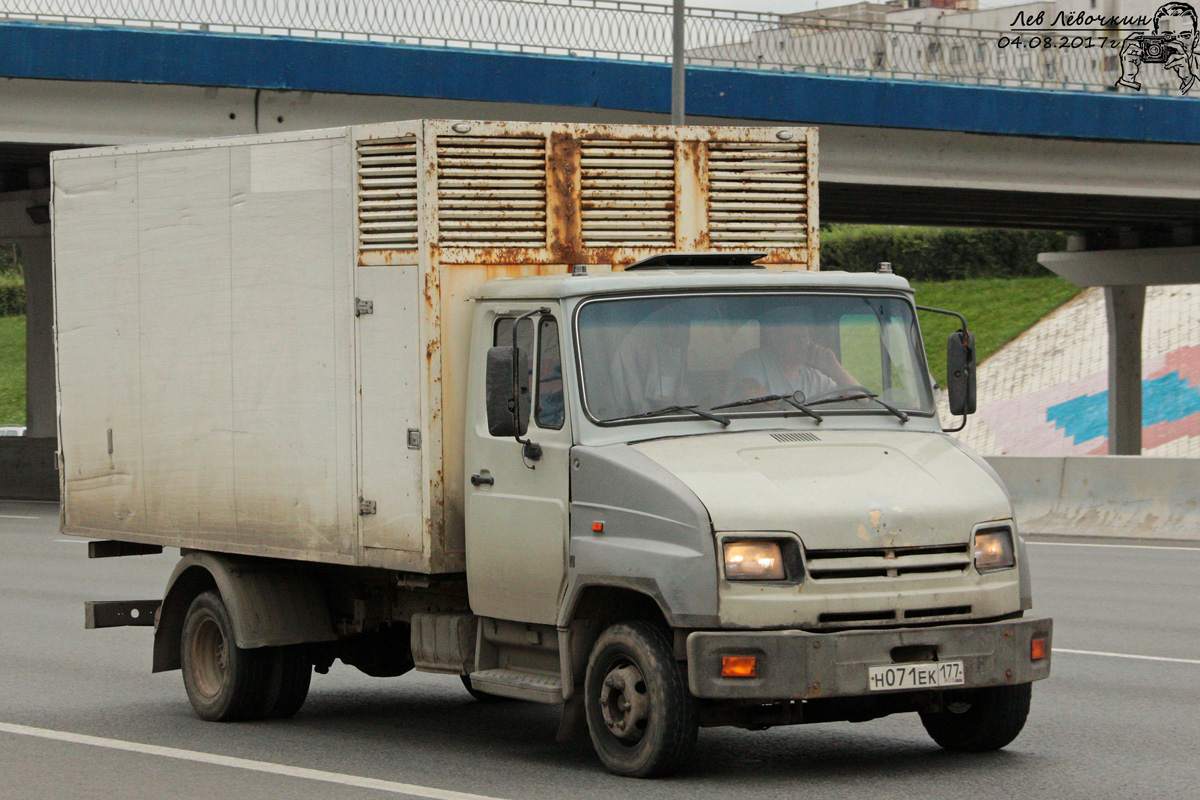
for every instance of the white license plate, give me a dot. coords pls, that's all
(915, 676)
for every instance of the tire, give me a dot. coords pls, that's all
(288, 677)
(979, 720)
(640, 715)
(481, 696)
(224, 682)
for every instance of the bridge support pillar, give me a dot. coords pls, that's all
(1125, 274)
(1125, 306)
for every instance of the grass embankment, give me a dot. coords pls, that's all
(998, 310)
(12, 370)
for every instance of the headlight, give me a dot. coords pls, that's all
(753, 561)
(994, 550)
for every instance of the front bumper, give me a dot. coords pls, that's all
(798, 665)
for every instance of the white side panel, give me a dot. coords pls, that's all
(184, 219)
(205, 305)
(97, 286)
(390, 353)
(292, 367)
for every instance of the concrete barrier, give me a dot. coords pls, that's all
(1119, 496)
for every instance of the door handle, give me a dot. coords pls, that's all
(482, 480)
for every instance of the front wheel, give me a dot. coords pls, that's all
(979, 720)
(640, 715)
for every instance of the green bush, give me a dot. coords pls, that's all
(938, 254)
(9, 262)
(12, 294)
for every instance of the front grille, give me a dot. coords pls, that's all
(890, 562)
(859, 616)
(945, 611)
(855, 617)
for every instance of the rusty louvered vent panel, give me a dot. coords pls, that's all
(627, 193)
(387, 194)
(758, 194)
(491, 191)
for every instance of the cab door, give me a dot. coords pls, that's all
(516, 508)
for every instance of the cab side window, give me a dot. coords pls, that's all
(503, 337)
(549, 411)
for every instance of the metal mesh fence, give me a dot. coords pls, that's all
(619, 29)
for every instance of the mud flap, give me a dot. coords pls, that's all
(573, 723)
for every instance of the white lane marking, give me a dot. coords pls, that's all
(15, 516)
(243, 763)
(1126, 655)
(1122, 546)
(73, 541)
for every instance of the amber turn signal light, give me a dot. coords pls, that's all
(1037, 649)
(739, 667)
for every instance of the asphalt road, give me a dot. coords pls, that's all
(1104, 725)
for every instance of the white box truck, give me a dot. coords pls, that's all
(566, 410)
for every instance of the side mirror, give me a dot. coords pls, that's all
(960, 373)
(505, 415)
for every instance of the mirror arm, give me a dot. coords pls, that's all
(961, 425)
(530, 450)
(961, 318)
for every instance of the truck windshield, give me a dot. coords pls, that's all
(644, 354)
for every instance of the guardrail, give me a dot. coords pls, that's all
(620, 29)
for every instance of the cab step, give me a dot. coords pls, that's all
(533, 686)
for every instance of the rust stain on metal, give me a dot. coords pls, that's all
(433, 294)
(564, 223)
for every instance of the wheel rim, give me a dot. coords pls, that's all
(209, 657)
(625, 701)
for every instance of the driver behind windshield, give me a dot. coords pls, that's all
(787, 360)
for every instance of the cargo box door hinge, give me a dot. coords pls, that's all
(363, 307)
(366, 507)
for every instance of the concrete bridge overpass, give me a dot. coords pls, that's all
(1119, 169)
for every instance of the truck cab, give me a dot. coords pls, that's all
(642, 458)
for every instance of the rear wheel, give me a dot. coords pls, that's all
(640, 715)
(288, 677)
(224, 682)
(979, 720)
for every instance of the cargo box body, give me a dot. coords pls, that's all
(262, 341)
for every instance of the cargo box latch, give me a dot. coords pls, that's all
(365, 507)
(363, 307)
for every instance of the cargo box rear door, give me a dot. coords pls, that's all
(391, 433)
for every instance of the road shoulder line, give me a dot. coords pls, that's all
(1127, 655)
(268, 767)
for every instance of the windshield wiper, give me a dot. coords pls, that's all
(675, 409)
(790, 399)
(859, 393)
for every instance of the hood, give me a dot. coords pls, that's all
(837, 489)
